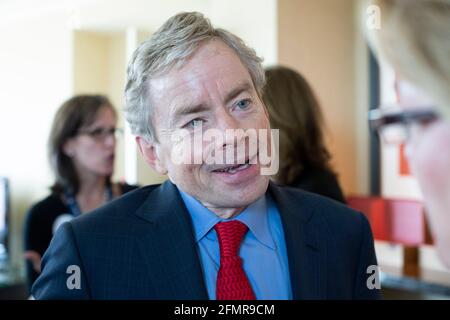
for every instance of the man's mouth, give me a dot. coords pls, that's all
(233, 168)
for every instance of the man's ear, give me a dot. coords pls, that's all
(149, 151)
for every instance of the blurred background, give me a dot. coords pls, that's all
(51, 50)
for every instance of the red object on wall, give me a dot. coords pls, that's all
(404, 165)
(374, 209)
(394, 220)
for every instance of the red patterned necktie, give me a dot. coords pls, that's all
(232, 282)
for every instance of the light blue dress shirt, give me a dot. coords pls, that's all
(263, 249)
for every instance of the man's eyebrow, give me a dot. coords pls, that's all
(245, 86)
(187, 110)
(197, 108)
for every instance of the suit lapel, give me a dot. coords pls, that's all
(170, 253)
(305, 247)
(169, 246)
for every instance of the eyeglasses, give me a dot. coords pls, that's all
(394, 125)
(100, 134)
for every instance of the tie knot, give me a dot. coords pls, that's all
(230, 234)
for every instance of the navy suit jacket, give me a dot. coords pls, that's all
(141, 246)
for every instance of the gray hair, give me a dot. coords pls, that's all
(175, 41)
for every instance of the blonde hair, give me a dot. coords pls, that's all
(170, 46)
(414, 36)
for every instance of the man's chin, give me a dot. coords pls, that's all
(238, 196)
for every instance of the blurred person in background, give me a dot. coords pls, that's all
(81, 146)
(414, 37)
(295, 111)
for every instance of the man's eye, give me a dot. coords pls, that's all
(243, 104)
(194, 123)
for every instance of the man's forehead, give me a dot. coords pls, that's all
(214, 66)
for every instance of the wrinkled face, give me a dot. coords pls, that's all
(92, 152)
(212, 90)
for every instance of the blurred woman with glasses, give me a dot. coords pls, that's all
(81, 147)
(414, 37)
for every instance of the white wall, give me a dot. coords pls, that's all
(255, 21)
(35, 77)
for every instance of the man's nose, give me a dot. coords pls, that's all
(226, 123)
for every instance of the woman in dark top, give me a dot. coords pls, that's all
(81, 150)
(295, 111)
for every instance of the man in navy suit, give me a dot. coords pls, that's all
(217, 229)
